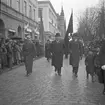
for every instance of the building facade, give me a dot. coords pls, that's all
(18, 16)
(49, 19)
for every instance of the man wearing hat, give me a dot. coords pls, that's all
(75, 52)
(28, 51)
(57, 49)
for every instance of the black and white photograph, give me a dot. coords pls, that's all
(52, 52)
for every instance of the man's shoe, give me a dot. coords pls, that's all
(28, 74)
(55, 70)
(59, 73)
(76, 75)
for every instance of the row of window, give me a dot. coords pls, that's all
(30, 10)
(40, 12)
(18, 4)
(51, 16)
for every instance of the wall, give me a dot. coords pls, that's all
(13, 18)
(45, 16)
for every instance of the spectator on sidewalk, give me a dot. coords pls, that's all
(102, 61)
(9, 53)
(89, 62)
(14, 49)
(48, 50)
(3, 53)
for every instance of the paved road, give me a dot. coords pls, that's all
(44, 87)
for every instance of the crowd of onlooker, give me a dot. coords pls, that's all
(11, 52)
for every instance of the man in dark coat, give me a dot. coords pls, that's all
(47, 50)
(75, 52)
(102, 61)
(29, 52)
(57, 50)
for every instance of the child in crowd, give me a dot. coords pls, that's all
(89, 62)
(97, 62)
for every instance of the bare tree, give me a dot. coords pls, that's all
(89, 23)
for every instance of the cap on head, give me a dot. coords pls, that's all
(57, 35)
(75, 35)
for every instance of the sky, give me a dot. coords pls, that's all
(77, 5)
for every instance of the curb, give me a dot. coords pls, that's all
(17, 66)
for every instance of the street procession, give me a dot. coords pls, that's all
(52, 52)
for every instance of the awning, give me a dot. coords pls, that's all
(36, 31)
(11, 30)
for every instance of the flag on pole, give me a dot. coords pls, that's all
(69, 30)
(70, 26)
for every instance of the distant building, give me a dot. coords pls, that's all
(50, 19)
(18, 16)
(62, 23)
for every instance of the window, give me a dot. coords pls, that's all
(10, 2)
(34, 14)
(40, 12)
(25, 8)
(30, 11)
(52, 21)
(7, 2)
(18, 5)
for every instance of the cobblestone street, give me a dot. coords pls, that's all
(44, 87)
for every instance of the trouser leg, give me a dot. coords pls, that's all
(59, 71)
(104, 78)
(75, 70)
(66, 55)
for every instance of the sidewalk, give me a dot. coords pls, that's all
(16, 66)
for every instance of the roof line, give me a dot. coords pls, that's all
(48, 3)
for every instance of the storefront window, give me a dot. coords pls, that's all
(11, 34)
(18, 5)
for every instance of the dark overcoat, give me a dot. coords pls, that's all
(29, 52)
(102, 54)
(47, 50)
(89, 62)
(57, 49)
(102, 61)
(75, 52)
